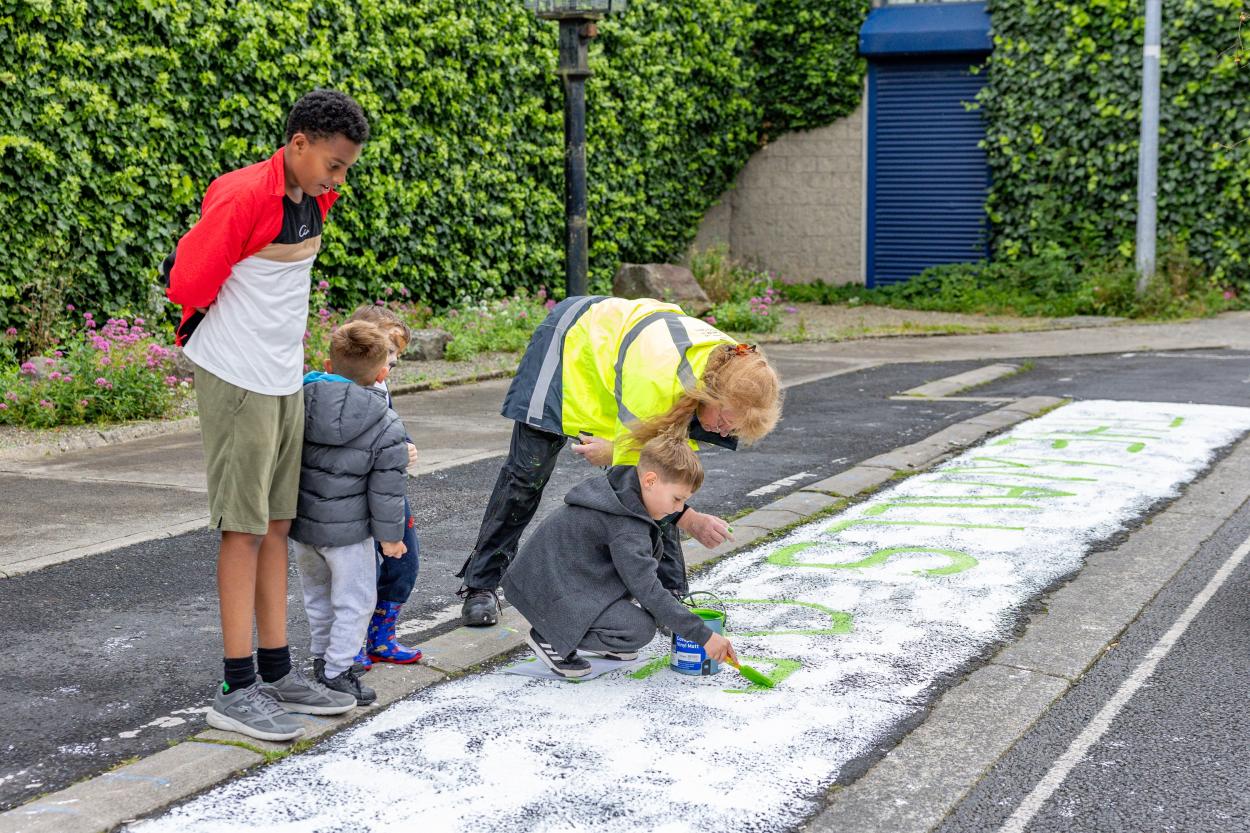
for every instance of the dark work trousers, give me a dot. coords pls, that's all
(531, 459)
(397, 576)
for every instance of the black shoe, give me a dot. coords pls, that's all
(569, 667)
(347, 682)
(481, 608)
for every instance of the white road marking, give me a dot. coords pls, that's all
(784, 482)
(1102, 721)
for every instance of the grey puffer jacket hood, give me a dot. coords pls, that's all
(353, 472)
(598, 548)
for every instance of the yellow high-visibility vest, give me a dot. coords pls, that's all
(618, 362)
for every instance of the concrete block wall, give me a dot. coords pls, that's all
(797, 206)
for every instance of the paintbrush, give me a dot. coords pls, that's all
(751, 674)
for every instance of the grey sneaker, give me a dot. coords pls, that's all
(347, 683)
(250, 711)
(296, 693)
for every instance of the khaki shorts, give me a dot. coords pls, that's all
(252, 448)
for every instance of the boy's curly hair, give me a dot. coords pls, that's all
(321, 114)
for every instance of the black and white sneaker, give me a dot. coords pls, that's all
(619, 656)
(569, 667)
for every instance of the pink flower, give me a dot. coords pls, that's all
(1228, 295)
(68, 377)
(49, 362)
(171, 380)
(12, 331)
(380, 302)
(101, 382)
(54, 375)
(43, 403)
(551, 304)
(323, 285)
(28, 368)
(82, 402)
(11, 396)
(453, 314)
(70, 307)
(3, 407)
(522, 314)
(711, 319)
(388, 292)
(792, 310)
(87, 315)
(188, 379)
(138, 322)
(403, 290)
(90, 324)
(58, 354)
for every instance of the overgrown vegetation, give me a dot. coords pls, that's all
(1044, 285)
(120, 113)
(1062, 106)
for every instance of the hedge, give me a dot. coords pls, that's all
(1062, 104)
(117, 115)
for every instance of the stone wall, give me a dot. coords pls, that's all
(797, 206)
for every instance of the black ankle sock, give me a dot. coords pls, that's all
(273, 663)
(240, 672)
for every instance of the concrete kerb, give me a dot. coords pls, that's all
(102, 803)
(919, 782)
(951, 385)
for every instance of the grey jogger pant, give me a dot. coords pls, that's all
(623, 626)
(340, 592)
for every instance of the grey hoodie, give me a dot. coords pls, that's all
(598, 548)
(353, 475)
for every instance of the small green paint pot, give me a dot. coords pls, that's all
(688, 657)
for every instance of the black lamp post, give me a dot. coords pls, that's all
(577, 26)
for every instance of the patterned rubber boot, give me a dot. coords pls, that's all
(361, 662)
(383, 646)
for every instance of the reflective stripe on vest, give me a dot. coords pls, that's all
(551, 360)
(681, 342)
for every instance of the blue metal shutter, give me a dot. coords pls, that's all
(927, 177)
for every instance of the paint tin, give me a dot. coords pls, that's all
(688, 657)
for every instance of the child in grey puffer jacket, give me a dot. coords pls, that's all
(351, 492)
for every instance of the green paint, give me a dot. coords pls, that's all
(921, 502)
(781, 668)
(840, 622)
(650, 668)
(1027, 492)
(844, 525)
(1133, 448)
(1177, 423)
(997, 470)
(960, 561)
(1032, 461)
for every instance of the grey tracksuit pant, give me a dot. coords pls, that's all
(623, 626)
(340, 592)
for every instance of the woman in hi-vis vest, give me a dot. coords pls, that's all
(613, 373)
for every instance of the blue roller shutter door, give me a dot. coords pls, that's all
(927, 176)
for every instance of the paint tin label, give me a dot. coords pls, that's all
(687, 656)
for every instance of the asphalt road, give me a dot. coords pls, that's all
(1174, 759)
(116, 654)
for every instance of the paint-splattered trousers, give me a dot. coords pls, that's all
(532, 456)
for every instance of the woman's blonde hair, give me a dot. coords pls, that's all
(737, 377)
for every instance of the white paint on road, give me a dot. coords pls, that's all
(783, 483)
(858, 618)
(1102, 721)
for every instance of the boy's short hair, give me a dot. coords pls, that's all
(358, 350)
(387, 321)
(321, 114)
(673, 460)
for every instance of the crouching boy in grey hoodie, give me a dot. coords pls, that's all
(577, 577)
(351, 492)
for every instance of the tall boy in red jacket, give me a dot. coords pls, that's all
(242, 275)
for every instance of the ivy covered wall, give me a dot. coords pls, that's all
(117, 115)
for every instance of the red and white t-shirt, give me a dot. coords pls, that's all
(249, 261)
